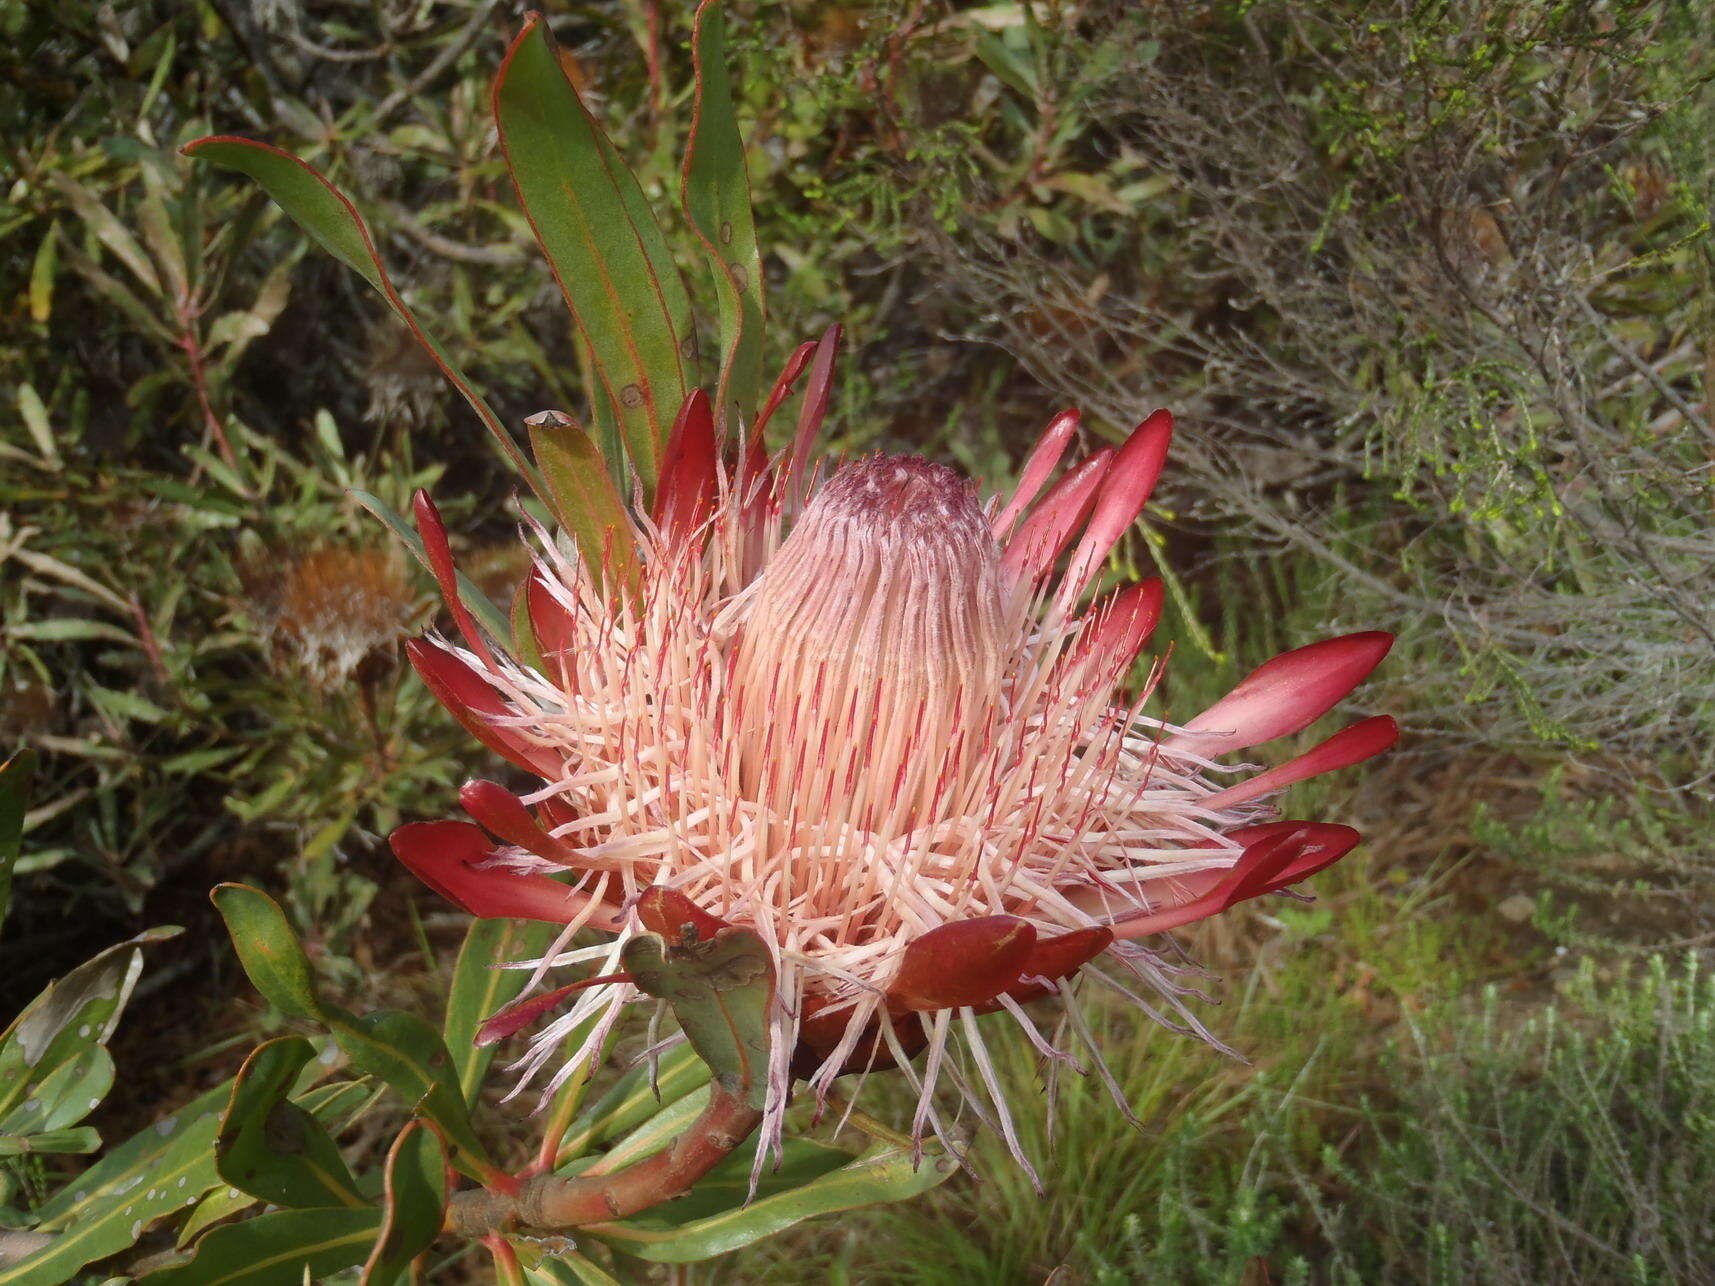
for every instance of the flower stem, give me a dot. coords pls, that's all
(546, 1202)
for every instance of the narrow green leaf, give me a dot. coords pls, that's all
(879, 1176)
(524, 645)
(410, 1056)
(79, 1140)
(473, 598)
(654, 1133)
(269, 950)
(720, 991)
(278, 1249)
(479, 989)
(271, 1147)
(121, 1172)
(16, 775)
(716, 194)
(601, 240)
(415, 1203)
(568, 1268)
(108, 230)
(334, 1105)
(156, 1173)
(583, 496)
(726, 1188)
(59, 1097)
(83, 1005)
(632, 1099)
(329, 217)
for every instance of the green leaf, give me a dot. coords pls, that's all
(81, 1007)
(404, 1051)
(278, 1249)
(67, 1093)
(398, 1048)
(271, 1147)
(479, 989)
(121, 1172)
(654, 1133)
(727, 1187)
(416, 1201)
(156, 1173)
(568, 1268)
(16, 775)
(601, 241)
(582, 495)
(334, 1105)
(269, 950)
(882, 1175)
(632, 1099)
(720, 991)
(79, 1140)
(716, 195)
(473, 598)
(329, 217)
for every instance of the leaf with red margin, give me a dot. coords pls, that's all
(414, 1201)
(601, 240)
(818, 391)
(584, 501)
(715, 191)
(332, 221)
(967, 962)
(720, 991)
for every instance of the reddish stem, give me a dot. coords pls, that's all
(549, 1201)
(199, 381)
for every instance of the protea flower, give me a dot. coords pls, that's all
(862, 708)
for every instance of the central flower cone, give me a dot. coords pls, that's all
(865, 684)
(878, 728)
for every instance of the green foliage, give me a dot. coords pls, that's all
(1569, 1147)
(1338, 239)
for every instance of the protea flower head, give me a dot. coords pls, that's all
(863, 709)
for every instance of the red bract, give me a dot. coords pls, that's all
(859, 710)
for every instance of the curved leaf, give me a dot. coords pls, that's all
(479, 989)
(278, 1249)
(601, 241)
(70, 1091)
(416, 1201)
(720, 991)
(16, 775)
(715, 190)
(329, 217)
(269, 950)
(83, 1005)
(879, 1176)
(583, 497)
(271, 1147)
